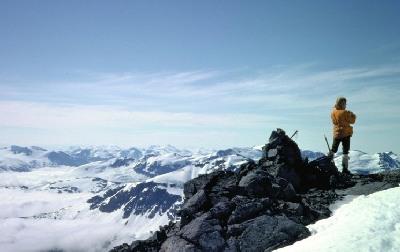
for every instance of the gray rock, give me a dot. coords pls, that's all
(199, 226)
(231, 245)
(272, 153)
(223, 187)
(212, 242)
(196, 203)
(235, 229)
(267, 233)
(257, 183)
(177, 244)
(193, 186)
(240, 199)
(291, 174)
(222, 210)
(282, 158)
(295, 208)
(288, 193)
(245, 212)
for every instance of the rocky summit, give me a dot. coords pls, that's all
(261, 207)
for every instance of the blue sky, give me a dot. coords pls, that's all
(197, 73)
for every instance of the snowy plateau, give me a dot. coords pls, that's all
(92, 199)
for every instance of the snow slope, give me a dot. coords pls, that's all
(367, 223)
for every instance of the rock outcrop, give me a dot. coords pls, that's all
(262, 207)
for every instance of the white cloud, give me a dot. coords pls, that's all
(39, 115)
(86, 233)
(178, 89)
(201, 101)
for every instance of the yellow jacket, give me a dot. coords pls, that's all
(341, 120)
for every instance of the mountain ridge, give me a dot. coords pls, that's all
(25, 158)
(261, 207)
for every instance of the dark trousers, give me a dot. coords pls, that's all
(345, 144)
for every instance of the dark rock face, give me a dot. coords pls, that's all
(152, 169)
(100, 184)
(385, 160)
(132, 153)
(62, 158)
(18, 150)
(85, 156)
(68, 189)
(146, 198)
(77, 158)
(262, 207)
(38, 148)
(122, 162)
(222, 153)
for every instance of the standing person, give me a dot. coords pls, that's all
(342, 130)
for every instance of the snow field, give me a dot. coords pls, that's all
(366, 223)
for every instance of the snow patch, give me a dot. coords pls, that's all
(366, 223)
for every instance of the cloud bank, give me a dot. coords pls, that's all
(99, 107)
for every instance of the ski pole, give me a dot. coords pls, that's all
(327, 143)
(294, 134)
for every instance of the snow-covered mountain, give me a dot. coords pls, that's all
(17, 158)
(147, 199)
(110, 194)
(364, 163)
(151, 161)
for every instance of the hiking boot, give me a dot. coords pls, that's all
(347, 172)
(345, 164)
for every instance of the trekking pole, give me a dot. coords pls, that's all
(327, 143)
(294, 134)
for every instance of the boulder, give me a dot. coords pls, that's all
(204, 231)
(177, 244)
(267, 233)
(282, 158)
(197, 203)
(245, 211)
(257, 183)
(222, 210)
